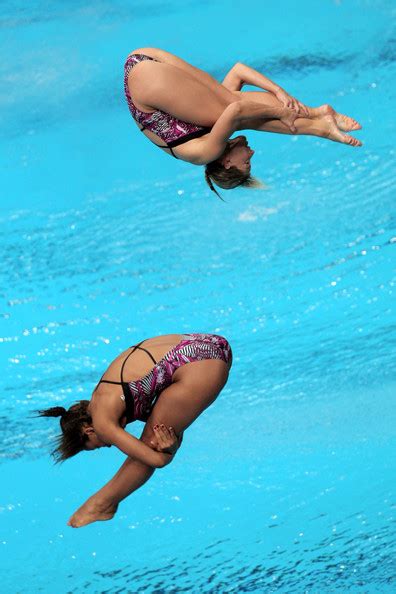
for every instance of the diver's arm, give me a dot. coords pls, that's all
(237, 116)
(133, 447)
(240, 75)
(105, 422)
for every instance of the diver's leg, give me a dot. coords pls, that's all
(322, 122)
(197, 386)
(323, 127)
(343, 122)
(154, 85)
(168, 58)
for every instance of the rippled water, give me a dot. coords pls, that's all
(287, 483)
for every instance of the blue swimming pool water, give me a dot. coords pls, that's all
(287, 483)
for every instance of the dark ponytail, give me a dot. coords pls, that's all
(55, 411)
(72, 421)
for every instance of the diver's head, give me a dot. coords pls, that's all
(77, 431)
(232, 168)
(238, 154)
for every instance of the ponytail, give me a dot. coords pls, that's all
(211, 186)
(72, 422)
(55, 411)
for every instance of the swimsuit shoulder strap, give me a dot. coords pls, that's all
(165, 146)
(126, 359)
(148, 353)
(128, 399)
(134, 348)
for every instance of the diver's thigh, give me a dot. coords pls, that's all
(183, 401)
(201, 75)
(170, 89)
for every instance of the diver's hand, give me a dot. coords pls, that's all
(288, 117)
(292, 103)
(166, 439)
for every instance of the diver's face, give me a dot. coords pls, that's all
(238, 154)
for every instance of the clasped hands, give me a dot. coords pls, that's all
(293, 109)
(165, 439)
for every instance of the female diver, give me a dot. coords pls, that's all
(186, 112)
(151, 383)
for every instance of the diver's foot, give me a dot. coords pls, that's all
(333, 133)
(344, 123)
(92, 511)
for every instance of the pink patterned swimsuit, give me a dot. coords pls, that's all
(141, 395)
(171, 130)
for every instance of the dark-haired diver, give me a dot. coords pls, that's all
(166, 381)
(189, 114)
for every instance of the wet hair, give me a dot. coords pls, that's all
(72, 439)
(228, 179)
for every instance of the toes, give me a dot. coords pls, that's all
(353, 141)
(355, 125)
(347, 124)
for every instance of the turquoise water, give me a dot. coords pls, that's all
(287, 483)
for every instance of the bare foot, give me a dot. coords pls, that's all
(344, 123)
(91, 511)
(333, 133)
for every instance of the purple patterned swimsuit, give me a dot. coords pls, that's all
(171, 130)
(141, 395)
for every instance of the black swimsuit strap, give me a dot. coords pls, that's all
(132, 351)
(126, 359)
(129, 401)
(148, 353)
(166, 146)
(134, 348)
